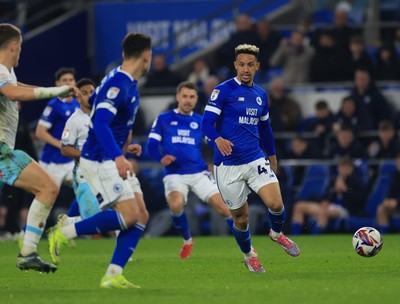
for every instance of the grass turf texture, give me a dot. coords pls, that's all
(327, 271)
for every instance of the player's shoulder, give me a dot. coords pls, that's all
(55, 102)
(224, 89)
(167, 115)
(197, 116)
(259, 89)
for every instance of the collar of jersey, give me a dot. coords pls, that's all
(177, 112)
(239, 83)
(127, 74)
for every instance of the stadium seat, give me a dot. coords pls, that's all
(315, 182)
(378, 193)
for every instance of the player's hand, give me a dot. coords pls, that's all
(134, 149)
(224, 146)
(167, 160)
(69, 91)
(123, 166)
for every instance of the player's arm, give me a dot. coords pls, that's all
(132, 148)
(70, 151)
(267, 141)
(26, 93)
(153, 145)
(210, 117)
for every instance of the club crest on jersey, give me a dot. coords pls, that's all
(194, 125)
(214, 94)
(112, 92)
(65, 134)
(118, 188)
(47, 111)
(259, 100)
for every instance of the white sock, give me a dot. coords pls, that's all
(275, 234)
(249, 255)
(71, 220)
(189, 241)
(35, 224)
(113, 270)
(69, 231)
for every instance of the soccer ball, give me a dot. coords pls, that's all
(367, 242)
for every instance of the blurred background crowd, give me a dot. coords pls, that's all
(331, 69)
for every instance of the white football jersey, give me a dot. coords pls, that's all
(75, 132)
(8, 110)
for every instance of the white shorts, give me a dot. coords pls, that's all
(234, 181)
(60, 172)
(106, 184)
(342, 212)
(202, 184)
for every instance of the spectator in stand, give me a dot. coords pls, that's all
(287, 109)
(321, 124)
(300, 149)
(387, 64)
(347, 145)
(359, 58)
(329, 64)
(387, 146)
(391, 204)
(305, 25)
(245, 34)
(200, 72)
(161, 76)
(358, 119)
(294, 56)
(368, 96)
(397, 121)
(346, 197)
(267, 41)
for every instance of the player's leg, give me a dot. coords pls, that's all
(234, 192)
(36, 180)
(300, 210)
(205, 187)
(176, 192)
(384, 212)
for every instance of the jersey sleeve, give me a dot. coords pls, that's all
(265, 110)
(215, 103)
(49, 115)
(70, 133)
(156, 131)
(5, 76)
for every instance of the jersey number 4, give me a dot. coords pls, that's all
(262, 169)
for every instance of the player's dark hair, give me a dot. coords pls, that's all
(8, 32)
(85, 81)
(62, 71)
(134, 44)
(247, 49)
(186, 84)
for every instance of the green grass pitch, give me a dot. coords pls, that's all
(327, 271)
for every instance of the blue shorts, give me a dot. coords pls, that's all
(12, 163)
(87, 202)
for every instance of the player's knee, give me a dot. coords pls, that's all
(275, 206)
(144, 216)
(51, 190)
(241, 221)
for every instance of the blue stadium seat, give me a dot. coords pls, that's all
(315, 182)
(378, 193)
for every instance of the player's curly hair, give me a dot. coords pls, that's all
(247, 49)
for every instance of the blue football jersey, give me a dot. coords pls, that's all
(180, 135)
(240, 109)
(54, 117)
(119, 95)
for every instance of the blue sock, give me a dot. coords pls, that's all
(108, 220)
(127, 241)
(383, 228)
(229, 221)
(316, 229)
(181, 225)
(73, 209)
(296, 228)
(277, 219)
(242, 238)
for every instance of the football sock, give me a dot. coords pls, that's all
(181, 225)
(73, 209)
(242, 238)
(35, 224)
(101, 222)
(296, 228)
(277, 220)
(229, 221)
(383, 228)
(127, 241)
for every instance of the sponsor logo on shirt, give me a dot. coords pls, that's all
(112, 92)
(241, 99)
(174, 123)
(214, 94)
